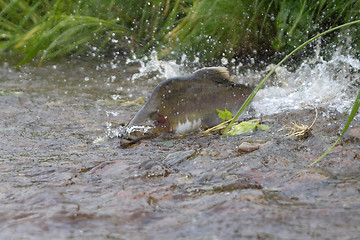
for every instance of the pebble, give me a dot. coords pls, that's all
(248, 147)
(355, 132)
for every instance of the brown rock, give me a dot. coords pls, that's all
(248, 147)
(355, 132)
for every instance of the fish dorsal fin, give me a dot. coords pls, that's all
(216, 74)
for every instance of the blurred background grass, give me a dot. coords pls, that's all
(207, 29)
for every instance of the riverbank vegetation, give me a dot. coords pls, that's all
(209, 30)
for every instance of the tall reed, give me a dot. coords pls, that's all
(207, 29)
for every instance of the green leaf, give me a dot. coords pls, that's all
(247, 126)
(262, 127)
(225, 115)
(241, 128)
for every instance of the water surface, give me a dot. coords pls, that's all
(63, 175)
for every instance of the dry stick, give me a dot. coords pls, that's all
(316, 116)
(116, 123)
(299, 129)
(217, 126)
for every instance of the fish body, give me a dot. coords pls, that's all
(189, 103)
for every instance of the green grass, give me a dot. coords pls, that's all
(207, 29)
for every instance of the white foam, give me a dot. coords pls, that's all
(327, 84)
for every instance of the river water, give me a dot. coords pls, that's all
(64, 176)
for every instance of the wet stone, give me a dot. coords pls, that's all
(248, 147)
(153, 168)
(176, 158)
(227, 186)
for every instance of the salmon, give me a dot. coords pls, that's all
(188, 103)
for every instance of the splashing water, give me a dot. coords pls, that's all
(331, 84)
(328, 84)
(152, 68)
(123, 131)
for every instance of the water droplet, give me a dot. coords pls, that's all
(224, 61)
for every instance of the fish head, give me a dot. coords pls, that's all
(149, 119)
